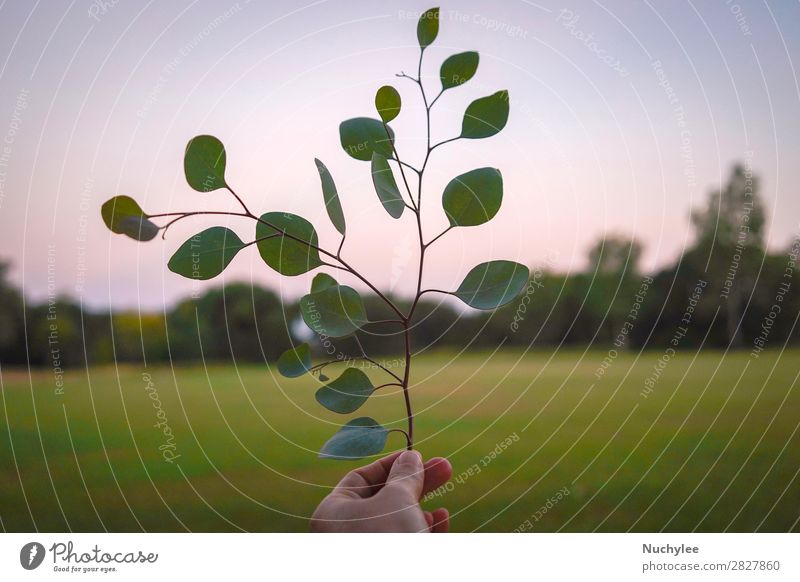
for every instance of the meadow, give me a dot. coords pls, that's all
(538, 443)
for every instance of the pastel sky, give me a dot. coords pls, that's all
(623, 116)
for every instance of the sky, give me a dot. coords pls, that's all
(624, 116)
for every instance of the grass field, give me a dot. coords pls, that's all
(714, 447)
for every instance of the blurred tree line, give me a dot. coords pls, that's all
(244, 323)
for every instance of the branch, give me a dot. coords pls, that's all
(435, 291)
(409, 166)
(409, 442)
(235, 195)
(368, 359)
(402, 172)
(400, 321)
(401, 74)
(445, 141)
(281, 232)
(435, 99)
(438, 236)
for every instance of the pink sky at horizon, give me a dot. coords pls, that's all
(98, 104)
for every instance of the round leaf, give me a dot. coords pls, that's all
(458, 69)
(335, 311)
(387, 102)
(331, 196)
(492, 284)
(386, 186)
(206, 254)
(123, 215)
(204, 163)
(322, 281)
(347, 393)
(473, 198)
(357, 439)
(295, 362)
(428, 27)
(362, 136)
(485, 116)
(289, 256)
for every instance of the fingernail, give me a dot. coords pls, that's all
(410, 458)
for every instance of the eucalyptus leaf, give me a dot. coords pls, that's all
(363, 136)
(322, 281)
(386, 186)
(335, 311)
(204, 163)
(357, 439)
(123, 215)
(485, 116)
(492, 284)
(473, 198)
(387, 102)
(331, 196)
(458, 69)
(347, 393)
(289, 256)
(206, 254)
(428, 27)
(295, 362)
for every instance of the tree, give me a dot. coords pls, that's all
(612, 275)
(12, 336)
(729, 244)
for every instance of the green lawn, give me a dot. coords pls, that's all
(714, 447)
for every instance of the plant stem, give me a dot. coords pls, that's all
(406, 395)
(402, 172)
(415, 207)
(400, 430)
(422, 248)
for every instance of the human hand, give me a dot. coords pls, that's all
(384, 497)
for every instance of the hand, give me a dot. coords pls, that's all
(384, 497)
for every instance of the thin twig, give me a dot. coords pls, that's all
(407, 165)
(409, 443)
(435, 291)
(402, 172)
(374, 321)
(438, 236)
(445, 141)
(368, 359)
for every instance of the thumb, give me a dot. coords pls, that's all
(407, 475)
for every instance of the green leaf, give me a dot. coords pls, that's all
(347, 393)
(285, 254)
(206, 254)
(331, 196)
(335, 311)
(387, 102)
(458, 69)
(428, 27)
(295, 362)
(485, 116)
(492, 284)
(322, 281)
(386, 186)
(361, 137)
(123, 215)
(357, 439)
(204, 163)
(473, 198)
